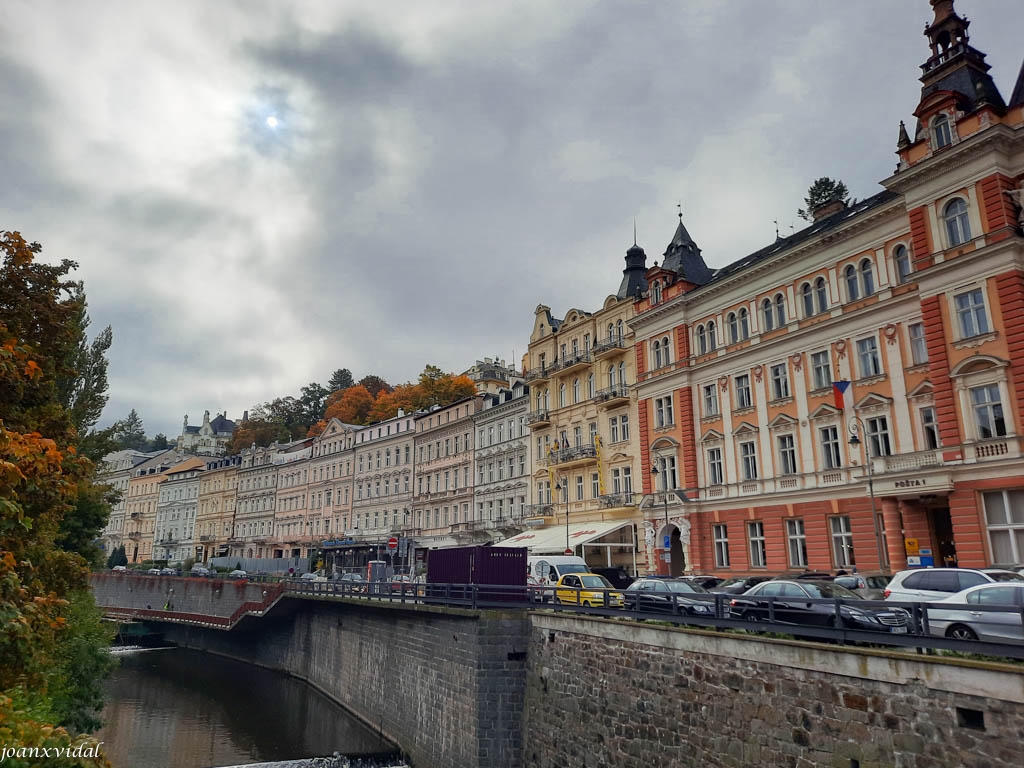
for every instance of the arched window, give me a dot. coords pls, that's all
(591, 390)
(702, 340)
(666, 356)
(656, 349)
(769, 314)
(901, 257)
(712, 336)
(734, 328)
(575, 390)
(611, 376)
(656, 293)
(821, 294)
(941, 132)
(958, 227)
(852, 286)
(808, 297)
(619, 330)
(867, 276)
(622, 374)
(744, 324)
(611, 331)
(780, 310)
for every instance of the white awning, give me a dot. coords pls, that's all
(549, 541)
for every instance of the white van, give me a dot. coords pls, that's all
(546, 570)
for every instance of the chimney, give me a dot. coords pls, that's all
(827, 209)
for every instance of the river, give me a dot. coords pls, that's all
(175, 708)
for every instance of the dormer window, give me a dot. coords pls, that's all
(656, 293)
(942, 136)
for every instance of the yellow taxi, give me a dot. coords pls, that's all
(587, 589)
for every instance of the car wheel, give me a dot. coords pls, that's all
(750, 616)
(586, 603)
(961, 632)
(556, 601)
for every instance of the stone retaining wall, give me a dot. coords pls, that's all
(608, 693)
(444, 684)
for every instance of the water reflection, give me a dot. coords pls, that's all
(184, 709)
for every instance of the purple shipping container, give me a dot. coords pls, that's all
(500, 566)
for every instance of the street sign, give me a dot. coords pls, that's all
(392, 543)
(667, 542)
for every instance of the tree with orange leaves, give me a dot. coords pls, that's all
(44, 601)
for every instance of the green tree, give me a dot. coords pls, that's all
(313, 397)
(43, 479)
(340, 379)
(159, 442)
(117, 557)
(374, 385)
(822, 192)
(130, 433)
(83, 386)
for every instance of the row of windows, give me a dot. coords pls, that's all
(571, 351)
(621, 479)
(431, 451)
(840, 535)
(504, 430)
(571, 394)
(618, 431)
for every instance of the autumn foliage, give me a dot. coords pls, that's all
(41, 476)
(356, 405)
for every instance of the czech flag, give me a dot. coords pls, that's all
(839, 390)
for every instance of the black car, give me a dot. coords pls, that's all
(811, 603)
(738, 584)
(617, 576)
(708, 582)
(669, 596)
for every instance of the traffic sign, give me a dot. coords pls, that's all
(667, 542)
(392, 543)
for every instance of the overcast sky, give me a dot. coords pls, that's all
(259, 193)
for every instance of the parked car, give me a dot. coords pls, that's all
(312, 577)
(1015, 567)
(200, 570)
(957, 616)
(810, 603)
(170, 572)
(738, 584)
(870, 586)
(353, 582)
(589, 589)
(707, 582)
(119, 569)
(669, 596)
(237, 574)
(617, 575)
(153, 571)
(931, 584)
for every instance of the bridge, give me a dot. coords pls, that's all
(497, 685)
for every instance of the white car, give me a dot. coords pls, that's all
(963, 619)
(926, 585)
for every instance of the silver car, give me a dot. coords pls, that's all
(963, 620)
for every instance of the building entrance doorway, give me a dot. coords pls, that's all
(941, 525)
(677, 563)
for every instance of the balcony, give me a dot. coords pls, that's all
(570, 457)
(992, 450)
(167, 542)
(575, 362)
(206, 538)
(606, 398)
(543, 373)
(135, 535)
(135, 515)
(609, 346)
(538, 418)
(235, 542)
(539, 510)
(619, 500)
(908, 461)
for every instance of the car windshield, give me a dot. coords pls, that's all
(828, 591)
(877, 582)
(684, 586)
(1004, 576)
(733, 581)
(573, 569)
(596, 582)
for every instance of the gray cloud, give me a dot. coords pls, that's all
(436, 171)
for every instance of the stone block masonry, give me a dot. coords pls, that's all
(610, 693)
(447, 685)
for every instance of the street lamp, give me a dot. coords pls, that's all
(563, 485)
(856, 427)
